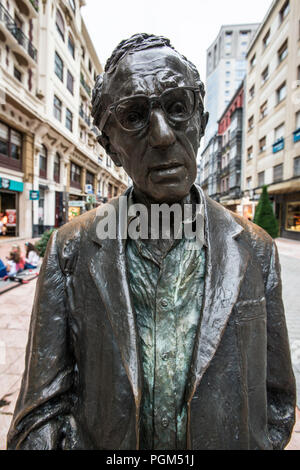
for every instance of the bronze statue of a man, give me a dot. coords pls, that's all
(156, 342)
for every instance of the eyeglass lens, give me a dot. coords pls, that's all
(178, 105)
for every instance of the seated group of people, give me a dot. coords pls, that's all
(16, 263)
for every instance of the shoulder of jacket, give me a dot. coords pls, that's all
(69, 238)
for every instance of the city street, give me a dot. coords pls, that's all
(15, 312)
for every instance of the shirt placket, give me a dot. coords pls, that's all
(164, 395)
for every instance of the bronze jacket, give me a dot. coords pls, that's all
(81, 387)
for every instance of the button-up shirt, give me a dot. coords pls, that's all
(167, 292)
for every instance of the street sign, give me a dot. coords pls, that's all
(34, 195)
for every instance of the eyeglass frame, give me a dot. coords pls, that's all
(155, 99)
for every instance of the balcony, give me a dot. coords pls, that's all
(85, 85)
(278, 145)
(24, 44)
(296, 135)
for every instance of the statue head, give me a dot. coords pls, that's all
(148, 105)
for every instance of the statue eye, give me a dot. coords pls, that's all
(177, 109)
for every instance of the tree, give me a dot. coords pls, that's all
(41, 245)
(264, 214)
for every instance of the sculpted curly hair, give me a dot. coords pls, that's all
(137, 42)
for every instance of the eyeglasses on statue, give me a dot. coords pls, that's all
(133, 113)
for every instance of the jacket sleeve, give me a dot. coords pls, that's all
(281, 389)
(42, 408)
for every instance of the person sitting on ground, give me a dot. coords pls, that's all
(32, 258)
(21, 261)
(13, 267)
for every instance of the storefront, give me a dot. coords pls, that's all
(287, 207)
(76, 206)
(9, 206)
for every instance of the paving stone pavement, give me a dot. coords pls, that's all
(15, 310)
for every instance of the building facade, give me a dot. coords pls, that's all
(231, 146)
(52, 167)
(225, 70)
(272, 137)
(220, 165)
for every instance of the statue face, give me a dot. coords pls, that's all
(161, 157)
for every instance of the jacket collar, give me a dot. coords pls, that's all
(225, 267)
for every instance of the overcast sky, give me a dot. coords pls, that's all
(191, 25)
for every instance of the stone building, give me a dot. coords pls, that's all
(272, 147)
(48, 65)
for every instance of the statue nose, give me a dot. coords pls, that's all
(160, 133)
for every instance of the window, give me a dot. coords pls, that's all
(10, 147)
(252, 92)
(262, 144)
(43, 162)
(264, 110)
(59, 67)
(253, 61)
(227, 83)
(69, 120)
(227, 74)
(282, 52)
(265, 75)
(250, 153)
(108, 161)
(249, 182)
(82, 52)
(297, 166)
(278, 173)
(266, 40)
(279, 132)
(60, 24)
(261, 178)
(57, 108)
(56, 168)
(71, 46)
(70, 82)
(75, 176)
(90, 66)
(250, 123)
(281, 93)
(17, 74)
(89, 178)
(284, 11)
(298, 120)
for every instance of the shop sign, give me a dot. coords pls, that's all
(91, 199)
(76, 203)
(89, 189)
(11, 215)
(12, 185)
(34, 196)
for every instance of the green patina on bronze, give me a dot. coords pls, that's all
(167, 292)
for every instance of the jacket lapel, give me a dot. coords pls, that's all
(226, 264)
(108, 269)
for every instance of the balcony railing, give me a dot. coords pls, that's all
(278, 145)
(296, 135)
(17, 33)
(85, 117)
(85, 85)
(35, 4)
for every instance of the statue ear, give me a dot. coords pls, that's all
(204, 121)
(103, 140)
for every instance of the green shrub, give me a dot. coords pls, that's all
(41, 245)
(264, 214)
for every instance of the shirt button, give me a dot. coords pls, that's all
(165, 422)
(164, 303)
(164, 356)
